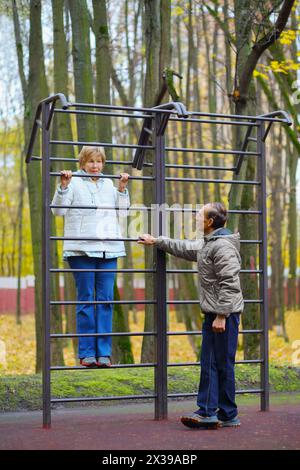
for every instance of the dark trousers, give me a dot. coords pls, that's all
(216, 395)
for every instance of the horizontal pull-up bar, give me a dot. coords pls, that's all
(135, 302)
(269, 117)
(173, 107)
(239, 392)
(195, 271)
(246, 361)
(217, 151)
(95, 239)
(143, 208)
(113, 366)
(183, 302)
(101, 113)
(199, 167)
(188, 333)
(138, 397)
(76, 160)
(83, 270)
(100, 302)
(123, 239)
(231, 211)
(145, 271)
(56, 206)
(145, 365)
(99, 335)
(100, 144)
(147, 333)
(207, 180)
(214, 121)
(107, 162)
(79, 399)
(98, 175)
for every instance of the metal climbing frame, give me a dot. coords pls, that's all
(154, 124)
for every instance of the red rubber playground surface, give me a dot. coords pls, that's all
(132, 427)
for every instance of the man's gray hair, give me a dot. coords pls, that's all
(218, 212)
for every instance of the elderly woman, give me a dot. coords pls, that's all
(94, 223)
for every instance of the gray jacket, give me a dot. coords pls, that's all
(219, 263)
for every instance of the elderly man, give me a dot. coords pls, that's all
(221, 301)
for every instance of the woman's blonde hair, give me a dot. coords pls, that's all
(87, 152)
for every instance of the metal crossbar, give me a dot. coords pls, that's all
(140, 333)
(116, 177)
(154, 124)
(52, 238)
(143, 208)
(102, 144)
(136, 302)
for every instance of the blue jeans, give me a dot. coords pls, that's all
(94, 318)
(216, 395)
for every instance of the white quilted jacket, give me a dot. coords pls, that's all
(87, 223)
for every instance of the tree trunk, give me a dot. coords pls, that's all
(33, 91)
(277, 216)
(122, 352)
(37, 89)
(292, 211)
(20, 238)
(292, 228)
(285, 87)
(62, 131)
(83, 77)
(228, 54)
(212, 92)
(243, 97)
(133, 132)
(103, 71)
(244, 196)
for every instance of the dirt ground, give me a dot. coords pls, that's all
(132, 427)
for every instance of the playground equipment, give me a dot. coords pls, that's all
(154, 124)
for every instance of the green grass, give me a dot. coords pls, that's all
(24, 392)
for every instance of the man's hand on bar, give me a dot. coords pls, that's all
(146, 239)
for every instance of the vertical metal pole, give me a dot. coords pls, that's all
(161, 375)
(263, 262)
(46, 267)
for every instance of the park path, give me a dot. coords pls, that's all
(128, 427)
